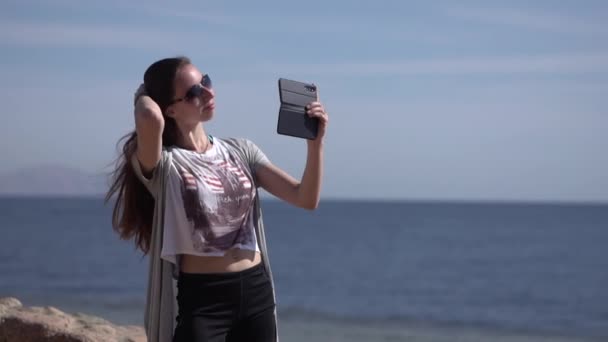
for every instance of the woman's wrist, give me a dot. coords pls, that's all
(315, 148)
(146, 109)
(317, 143)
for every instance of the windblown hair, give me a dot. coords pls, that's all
(134, 205)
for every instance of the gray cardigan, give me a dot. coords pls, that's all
(161, 304)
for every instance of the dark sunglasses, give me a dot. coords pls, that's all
(196, 90)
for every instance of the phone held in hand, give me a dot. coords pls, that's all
(293, 120)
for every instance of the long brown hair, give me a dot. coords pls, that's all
(134, 205)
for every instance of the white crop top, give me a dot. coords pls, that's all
(209, 204)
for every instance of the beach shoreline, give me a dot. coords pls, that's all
(299, 327)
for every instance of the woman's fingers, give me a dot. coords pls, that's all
(314, 104)
(314, 107)
(316, 110)
(319, 114)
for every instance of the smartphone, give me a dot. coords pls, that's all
(293, 120)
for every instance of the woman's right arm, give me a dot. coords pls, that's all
(149, 125)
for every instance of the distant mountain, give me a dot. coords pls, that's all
(52, 180)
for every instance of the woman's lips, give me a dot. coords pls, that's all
(210, 105)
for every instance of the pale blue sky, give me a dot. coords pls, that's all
(428, 99)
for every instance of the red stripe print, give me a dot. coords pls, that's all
(189, 181)
(212, 180)
(239, 173)
(214, 183)
(234, 169)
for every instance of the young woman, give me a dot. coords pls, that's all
(190, 201)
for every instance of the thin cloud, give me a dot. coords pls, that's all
(24, 33)
(229, 24)
(543, 64)
(214, 18)
(42, 34)
(346, 28)
(527, 19)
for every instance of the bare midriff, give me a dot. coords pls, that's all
(234, 260)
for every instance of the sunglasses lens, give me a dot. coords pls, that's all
(198, 89)
(206, 82)
(194, 92)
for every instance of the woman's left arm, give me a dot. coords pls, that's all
(306, 193)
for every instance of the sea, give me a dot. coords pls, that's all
(534, 267)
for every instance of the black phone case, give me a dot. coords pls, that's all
(293, 120)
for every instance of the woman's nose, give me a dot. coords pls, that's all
(207, 94)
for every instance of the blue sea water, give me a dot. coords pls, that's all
(530, 267)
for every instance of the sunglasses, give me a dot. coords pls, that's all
(196, 90)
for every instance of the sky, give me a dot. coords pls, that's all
(467, 100)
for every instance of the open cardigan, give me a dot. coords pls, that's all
(161, 303)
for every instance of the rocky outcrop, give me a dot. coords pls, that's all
(33, 324)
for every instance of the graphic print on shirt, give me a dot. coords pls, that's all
(217, 200)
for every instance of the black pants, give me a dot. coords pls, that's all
(230, 307)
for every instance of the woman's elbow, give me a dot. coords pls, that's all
(310, 205)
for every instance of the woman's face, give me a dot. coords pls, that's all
(191, 110)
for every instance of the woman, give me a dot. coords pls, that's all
(190, 201)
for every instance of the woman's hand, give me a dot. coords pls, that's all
(316, 110)
(141, 91)
(145, 107)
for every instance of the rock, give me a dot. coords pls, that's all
(9, 303)
(33, 324)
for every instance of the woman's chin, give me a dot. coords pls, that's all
(207, 115)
